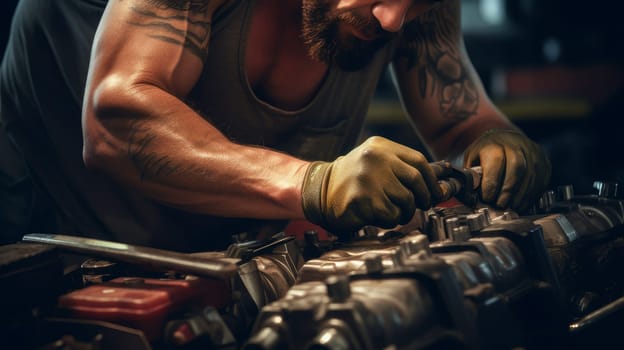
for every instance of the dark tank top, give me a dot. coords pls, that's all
(42, 80)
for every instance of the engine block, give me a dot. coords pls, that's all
(456, 277)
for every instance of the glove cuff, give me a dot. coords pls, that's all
(313, 192)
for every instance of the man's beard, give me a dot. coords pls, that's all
(322, 38)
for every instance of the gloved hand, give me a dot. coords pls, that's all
(515, 169)
(379, 183)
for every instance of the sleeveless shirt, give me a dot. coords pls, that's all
(42, 81)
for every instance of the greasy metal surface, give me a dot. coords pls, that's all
(375, 313)
(221, 268)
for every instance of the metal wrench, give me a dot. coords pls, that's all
(458, 182)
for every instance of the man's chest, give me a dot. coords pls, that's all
(276, 63)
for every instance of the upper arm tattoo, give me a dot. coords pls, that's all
(431, 45)
(178, 22)
(193, 5)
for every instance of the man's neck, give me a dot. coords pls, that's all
(278, 66)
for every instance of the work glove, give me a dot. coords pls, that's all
(515, 169)
(379, 183)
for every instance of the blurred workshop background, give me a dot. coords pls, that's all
(555, 67)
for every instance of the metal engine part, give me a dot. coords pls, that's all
(535, 281)
(148, 298)
(460, 276)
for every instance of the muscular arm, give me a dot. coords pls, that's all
(449, 106)
(147, 56)
(439, 86)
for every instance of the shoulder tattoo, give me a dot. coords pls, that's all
(191, 5)
(178, 22)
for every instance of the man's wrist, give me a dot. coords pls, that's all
(313, 192)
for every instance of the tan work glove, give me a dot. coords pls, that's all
(515, 169)
(379, 183)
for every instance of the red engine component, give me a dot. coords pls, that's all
(144, 303)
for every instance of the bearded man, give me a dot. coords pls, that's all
(176, 123)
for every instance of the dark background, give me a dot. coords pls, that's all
(6, 12)
(553, 66)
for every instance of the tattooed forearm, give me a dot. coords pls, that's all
(431, 45)
(435, 30)
(180, 26)
(150, 163)
(457, 93)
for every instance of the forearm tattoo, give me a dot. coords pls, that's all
(142, 151)
(178, 22)
(431, 45)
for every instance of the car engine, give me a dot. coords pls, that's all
(461, 275)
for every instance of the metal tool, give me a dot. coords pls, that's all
(152, 258)
(597, 315)
(458, 182)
